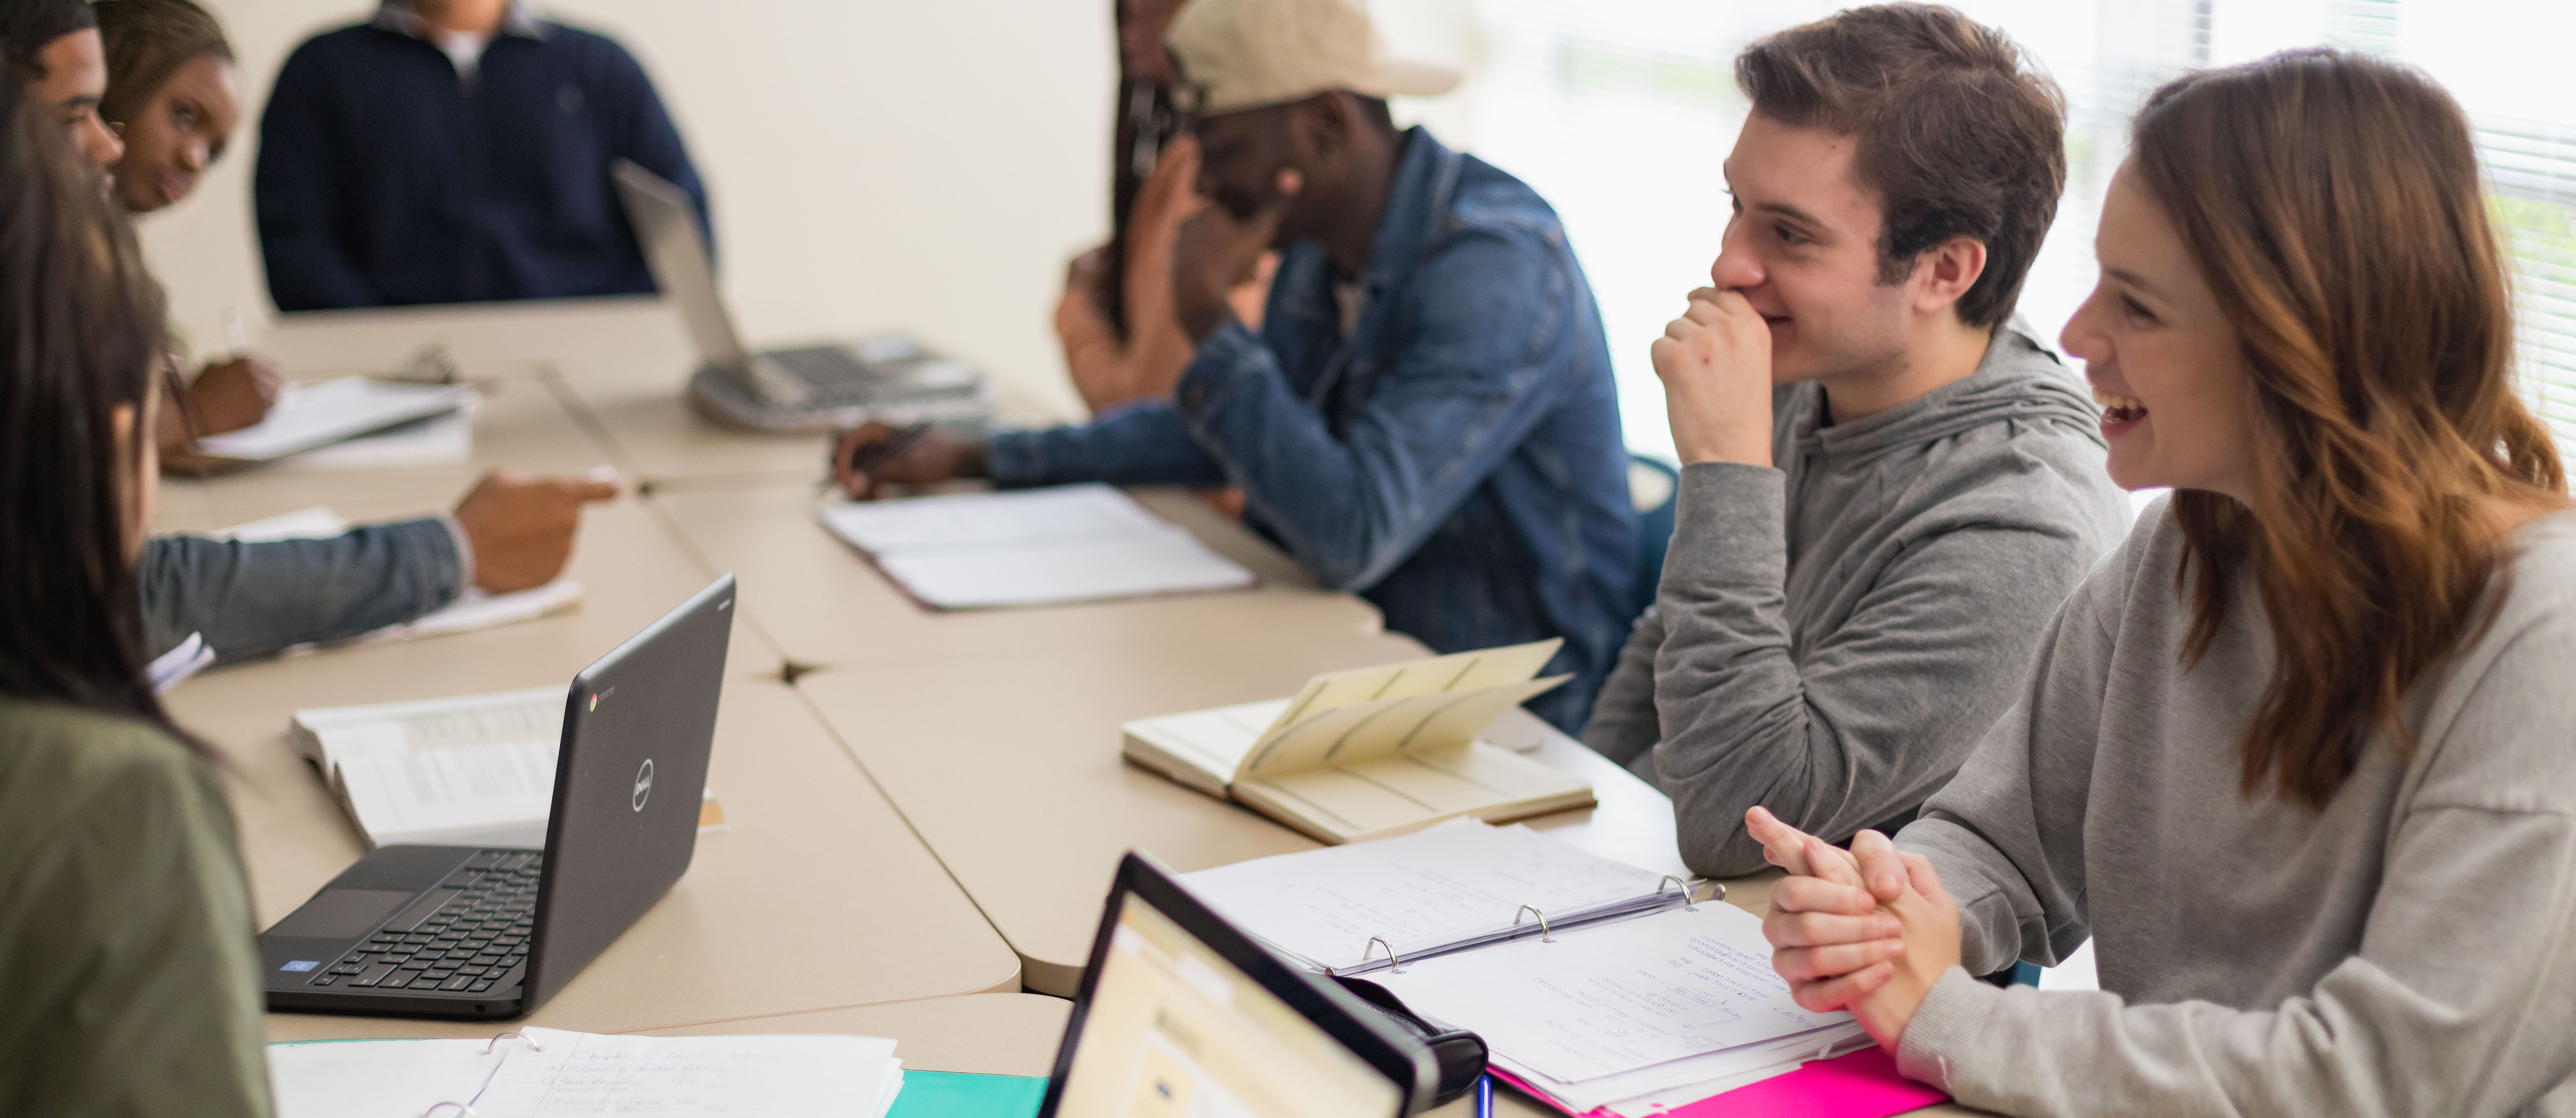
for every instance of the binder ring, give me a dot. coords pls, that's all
(461, 1108)
(1543, 936)
(1393, 964)
(1688, 905)
(488, 1045)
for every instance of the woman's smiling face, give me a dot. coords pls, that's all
(2166, 365)
(177, 134)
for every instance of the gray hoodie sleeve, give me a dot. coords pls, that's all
(250, 600)
(1858, 730)
(2459, 1000)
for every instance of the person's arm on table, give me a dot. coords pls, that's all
(1490, 313)
(225, 396)
(250, 600)
(296, 194)
(1883, 709)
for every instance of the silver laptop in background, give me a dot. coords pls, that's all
(885, 377)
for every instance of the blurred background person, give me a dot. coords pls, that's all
(456, 151)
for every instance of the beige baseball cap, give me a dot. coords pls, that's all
(1247, 54)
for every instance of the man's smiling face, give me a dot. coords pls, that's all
(1802, 247)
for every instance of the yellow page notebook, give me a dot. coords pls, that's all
(1371, 752)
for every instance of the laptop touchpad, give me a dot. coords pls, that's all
(341, 913)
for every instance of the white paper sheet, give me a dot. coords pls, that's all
(691, 1077)
(440, 440)
(172, 668)
(562, 1074)
(376, 1078)
(1615, 997)
(1065, 544)
(1419, 890)
(318, 413)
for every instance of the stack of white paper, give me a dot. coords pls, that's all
(554, 1073)
(440, 440)
(1034, 547)
(315, 414)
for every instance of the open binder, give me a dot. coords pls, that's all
(1592, 982)
(1359, 909)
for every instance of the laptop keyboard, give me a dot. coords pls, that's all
(473, 942)
(825, 367)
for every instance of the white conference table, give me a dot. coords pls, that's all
(991, 736)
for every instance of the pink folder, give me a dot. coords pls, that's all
(1863, 1084)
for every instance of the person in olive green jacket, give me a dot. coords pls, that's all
(128, 977)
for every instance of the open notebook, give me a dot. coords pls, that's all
(313, 414)
(546, 1073)
(1071, 543)
(475, 770)
(1371, 752)
(1596, 984)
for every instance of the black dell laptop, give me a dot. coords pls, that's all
(462, 931)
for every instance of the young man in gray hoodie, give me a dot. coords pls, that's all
(1888, 484)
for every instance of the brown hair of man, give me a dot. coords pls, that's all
(1959, 134)
(2333, 203)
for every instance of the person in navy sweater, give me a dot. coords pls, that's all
(456, 151)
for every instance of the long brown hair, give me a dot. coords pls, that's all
(80, 339)
(2333, 203)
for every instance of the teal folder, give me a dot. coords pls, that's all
(950, 1094)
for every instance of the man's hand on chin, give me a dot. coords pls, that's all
(1218, 252)
(1715, 361)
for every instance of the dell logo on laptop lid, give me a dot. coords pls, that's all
(643, 784)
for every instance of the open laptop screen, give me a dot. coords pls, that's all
(1174, 1029)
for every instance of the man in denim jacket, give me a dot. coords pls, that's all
(1426, 415)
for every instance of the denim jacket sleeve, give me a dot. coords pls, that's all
(1482, 321)
(1141, 444)
(250, 600)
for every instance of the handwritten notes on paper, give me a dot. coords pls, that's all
(1615, 997)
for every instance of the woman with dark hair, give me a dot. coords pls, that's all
(2296, 757)
(171, 92)
(126, 944)
(173, 97)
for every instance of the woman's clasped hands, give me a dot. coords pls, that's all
(1867, 929)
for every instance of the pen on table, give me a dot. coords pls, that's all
(874, 454)
(1484, 1096)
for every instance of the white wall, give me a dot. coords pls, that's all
(925, 166)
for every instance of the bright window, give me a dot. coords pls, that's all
(1620, 111)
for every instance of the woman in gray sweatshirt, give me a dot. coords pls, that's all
(2297, 756)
